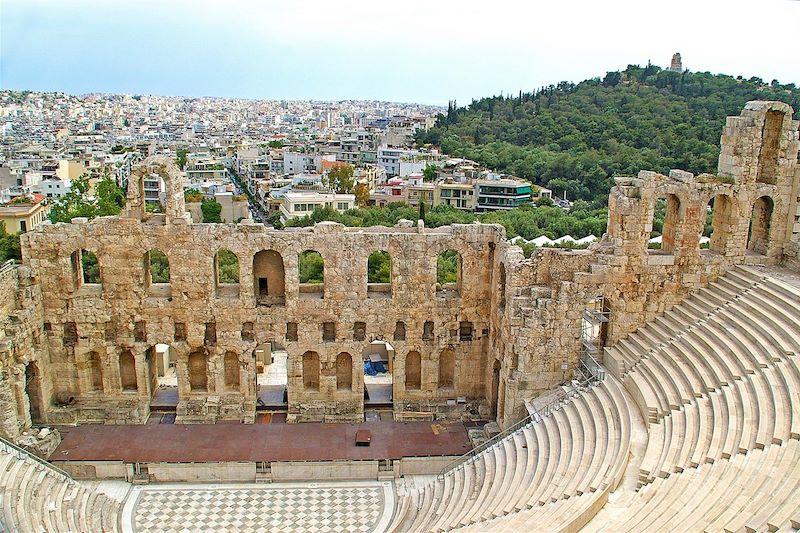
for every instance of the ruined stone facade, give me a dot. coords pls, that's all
(507, 330)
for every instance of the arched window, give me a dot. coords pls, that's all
(268, 278)
(760, 223)
(770, 147)
(198, 371)
(311, 271)
(157, 275)
(413, 370)
(127, 371)
(344, 371)
(95, 372)
(379, 274)
(448, 272)
(311, 371)
(90, 268)
(447, 364)
(226, 273)
(666, 217)
(717, 229)
(231, 371)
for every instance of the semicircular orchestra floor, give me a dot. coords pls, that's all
(287, 507)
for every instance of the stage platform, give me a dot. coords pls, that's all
(167, 443)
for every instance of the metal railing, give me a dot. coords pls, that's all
(592, 373)
(23, 454)
(7, 265)
(452, 465)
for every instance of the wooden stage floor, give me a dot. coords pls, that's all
(259, 442)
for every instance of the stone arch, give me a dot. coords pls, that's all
(413, 370)
(198, 371)
(667, 228)
(165, 169)
(311, 274)
(448, 272)
(344, 371)
(226, 273)
(760, 225)
(127, 371)
(311, 371)
(718, 222)
(447, 368)
(95, 366)
(232, 371)
(269, 279)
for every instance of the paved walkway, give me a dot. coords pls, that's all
(330, 507)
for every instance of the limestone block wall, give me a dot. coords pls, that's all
(24, 387)
(127, 313)
(538, 323)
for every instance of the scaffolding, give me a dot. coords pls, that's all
(593, 328)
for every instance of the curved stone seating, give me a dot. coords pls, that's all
(721, 398)
(561, 467)
(38, 499)
(717, 380)
(742, 493)
(727, 386)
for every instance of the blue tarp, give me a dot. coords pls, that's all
(374, 368)
(368, 369)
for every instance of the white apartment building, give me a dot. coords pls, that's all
(389, 158)
(301, 203)
(301, 163)
(52, 187)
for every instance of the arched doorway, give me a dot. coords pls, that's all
(272, 377)
(378, 364)
(162, 378)
(760, 223)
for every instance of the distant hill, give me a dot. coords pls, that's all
(574, 138)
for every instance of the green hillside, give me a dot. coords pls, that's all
(574, 138)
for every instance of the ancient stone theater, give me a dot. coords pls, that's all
(623, 387)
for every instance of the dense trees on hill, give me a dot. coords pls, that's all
(574, 138)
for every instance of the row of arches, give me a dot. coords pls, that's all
(268, 272)
(197, 365)
(311, 370)
(717, 225)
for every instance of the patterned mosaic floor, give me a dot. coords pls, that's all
(285, 507)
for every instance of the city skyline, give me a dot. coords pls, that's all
(423, 53)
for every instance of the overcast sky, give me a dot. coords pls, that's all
(400, 50)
